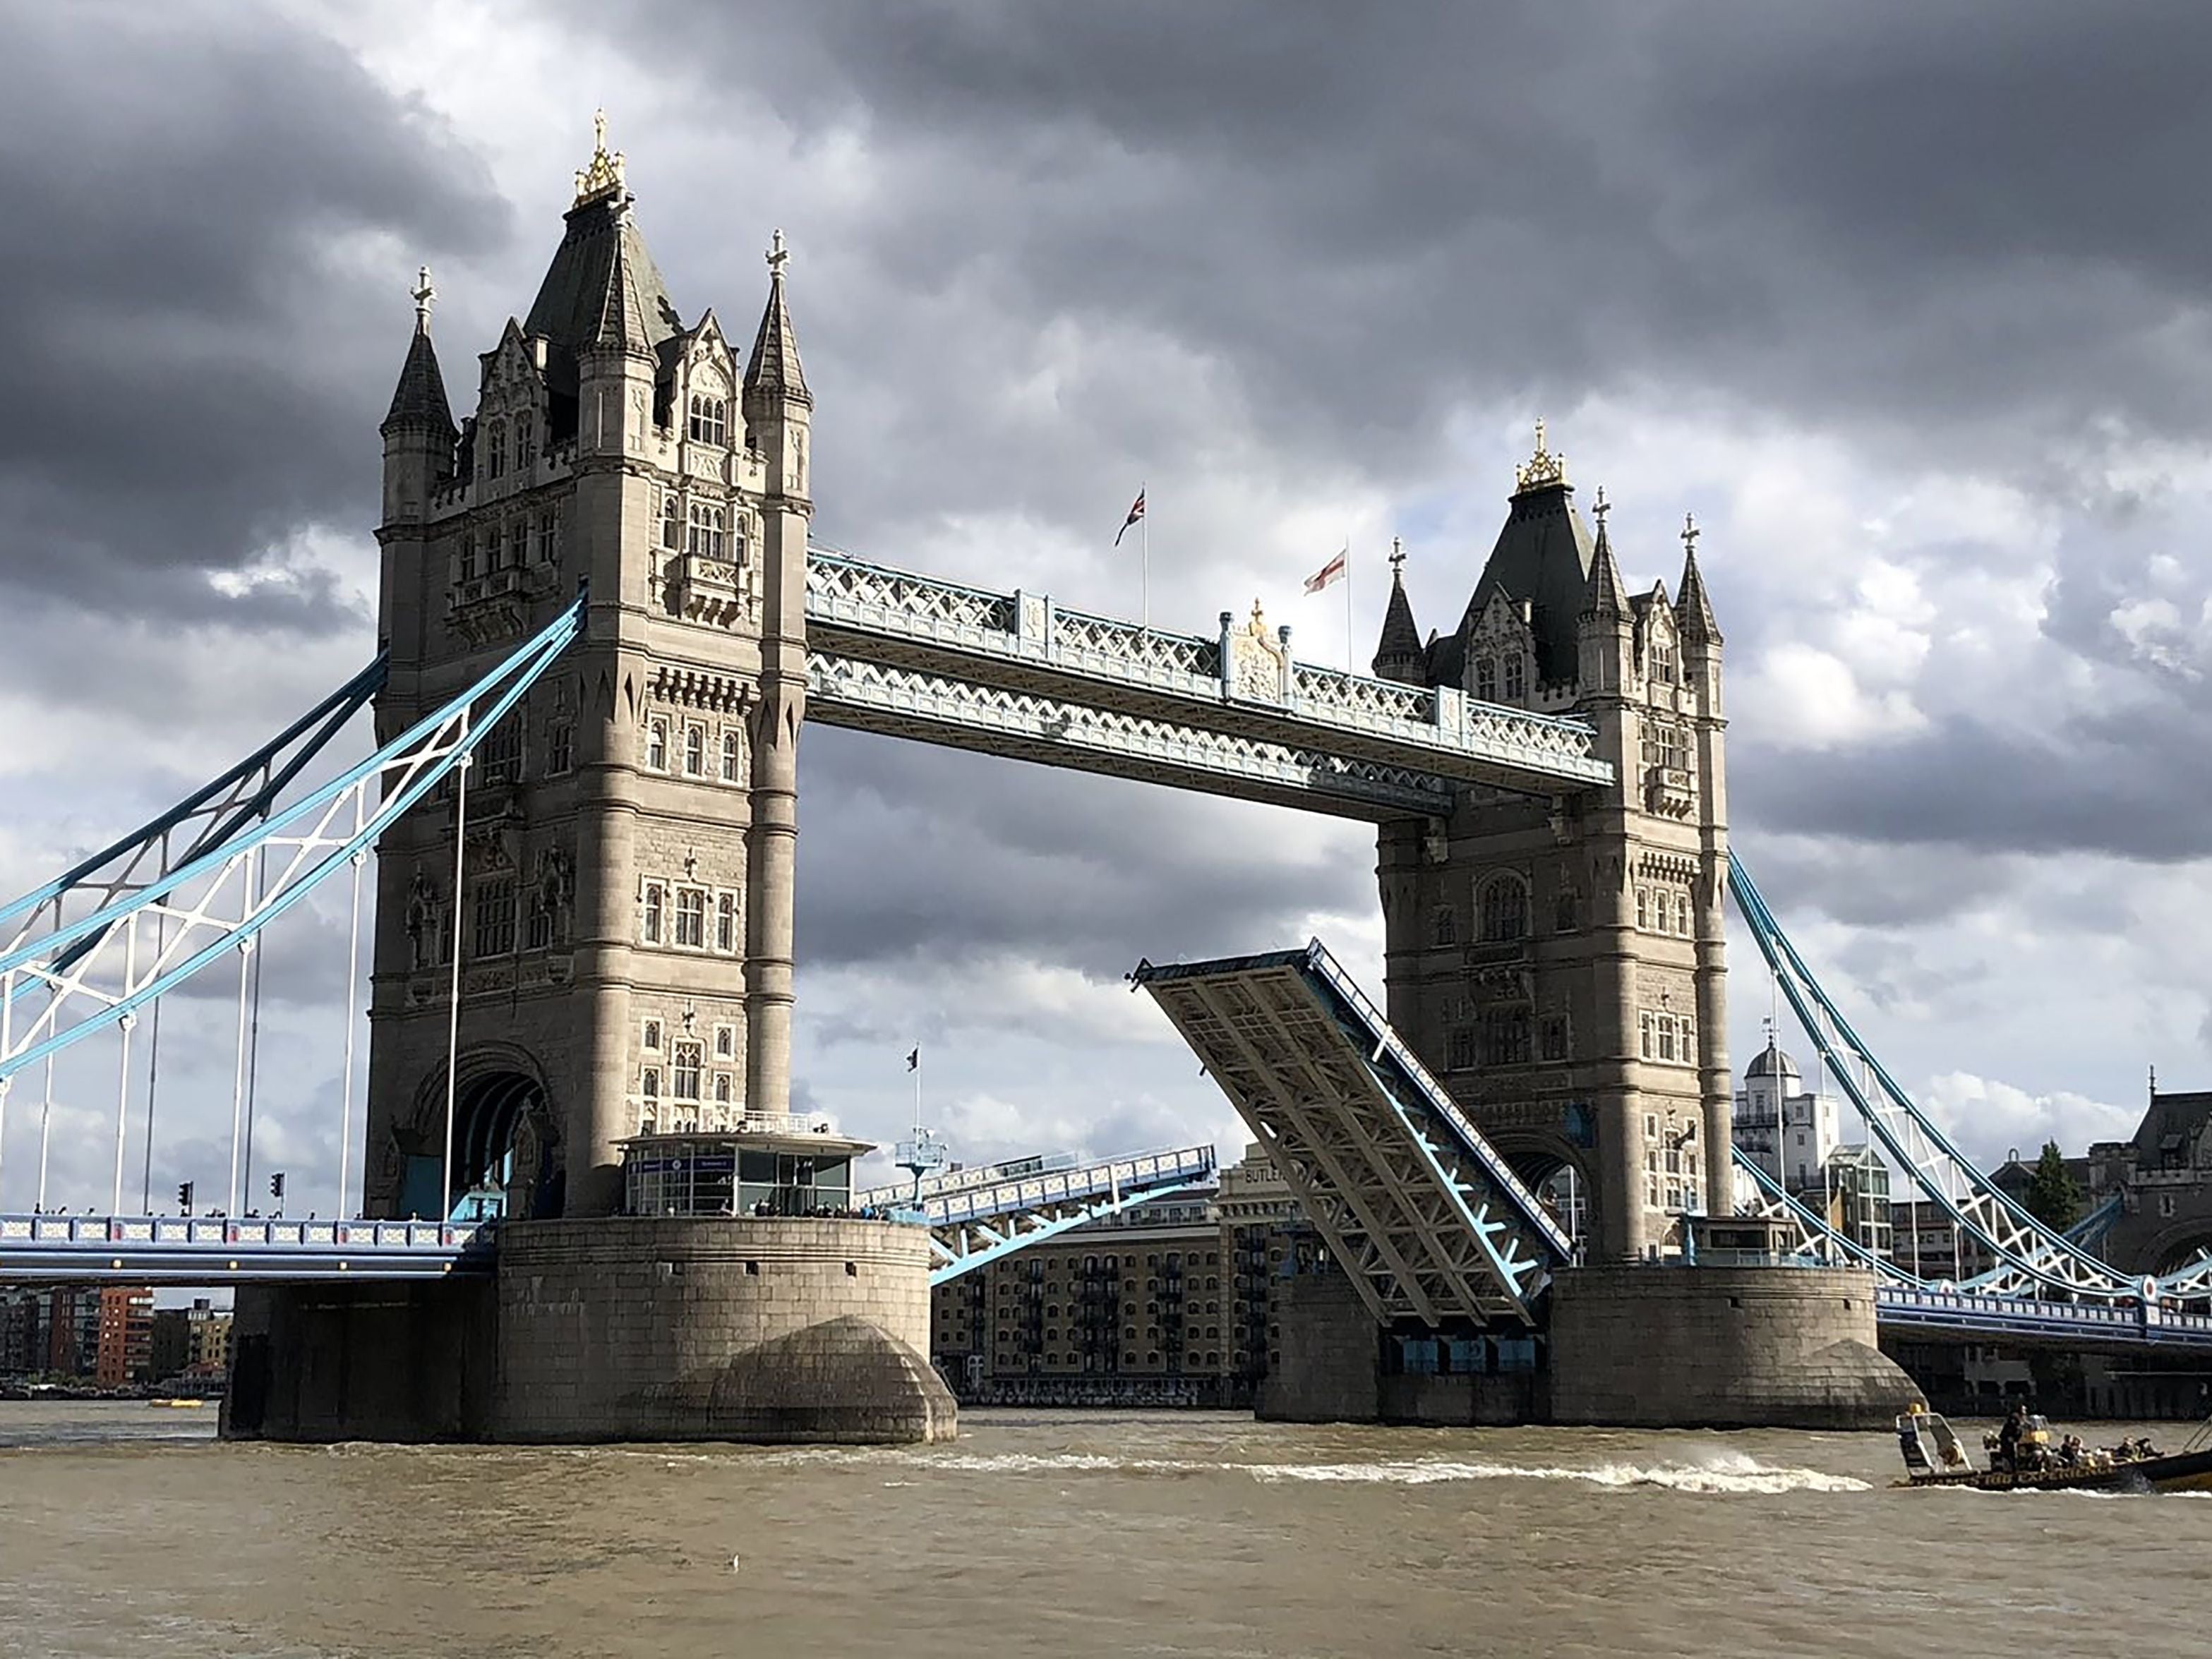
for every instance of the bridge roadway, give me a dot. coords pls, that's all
(1013, 674)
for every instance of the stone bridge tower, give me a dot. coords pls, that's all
(620, 927)
(1560, 963)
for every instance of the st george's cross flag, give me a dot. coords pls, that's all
(1136, 512)
(1334, 570)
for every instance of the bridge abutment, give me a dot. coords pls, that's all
(612, 1328)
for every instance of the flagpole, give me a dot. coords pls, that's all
(1351, 660)
(1145, 556)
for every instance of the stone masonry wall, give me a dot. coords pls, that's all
(619, 1328)
(1686, 1347)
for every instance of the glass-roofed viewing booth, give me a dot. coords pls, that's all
(756, 1167)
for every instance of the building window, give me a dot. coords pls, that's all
(732, 755)
(1486, 679)
(1663, 745)
(652, 1035)
(725, 922)
(726, 1042)
(1555, 1036)
(709, 531)
(1504, 910)
(526, 443)
(1670, 1038)
(549, 536)
(656, 745)
(694, 751)
(1515, 682)
(684, 1071)
(500, 755)
(1444, 926)
(517, 543)
(1563, 911)
(1506, 1037)
(541, 920)
(648, 1082)
(1460, 1056)
(494, 449)
(468, 563)
(494, 918)
(654, 902)
(710, 420)
(1643, 907)
(692, 916)
(560, 748)
(671, 521)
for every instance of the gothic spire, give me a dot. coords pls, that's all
(774, 372)
(602, 288)
(1694, 609)
(1606, 599)
(1399, 654)
(418, 403)
(622, 320)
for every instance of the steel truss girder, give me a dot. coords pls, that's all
(992, 1192)
(897, 701)
(1023, 643)
(215, 1250)
(98, 970)
(2030, 1255)
(962, 1247)
(203, 820)
(1429, 1222)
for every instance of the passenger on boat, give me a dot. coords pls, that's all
(2015, 1424)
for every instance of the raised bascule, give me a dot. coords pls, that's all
(603, 623)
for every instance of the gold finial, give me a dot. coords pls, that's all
(422, 296)
(603, 176)
(778, 255)
(1690, 537)
(1541, 468)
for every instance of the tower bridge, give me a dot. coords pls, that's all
(602, 623)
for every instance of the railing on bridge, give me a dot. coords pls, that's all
(892, 650)
(224, 1249)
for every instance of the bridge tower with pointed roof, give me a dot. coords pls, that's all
(620, 928)
(1560, 963)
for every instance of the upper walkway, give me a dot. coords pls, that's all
(1013, 674)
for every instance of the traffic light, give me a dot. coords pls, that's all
(184, 1198)
(277, 1190)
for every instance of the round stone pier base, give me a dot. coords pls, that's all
(777, 1329)
(1720, 1347)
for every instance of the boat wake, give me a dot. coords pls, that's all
(1724, 1473)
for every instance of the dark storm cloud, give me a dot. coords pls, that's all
(1887, 215)
(187, 385)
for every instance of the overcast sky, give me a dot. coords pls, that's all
(1907, 303)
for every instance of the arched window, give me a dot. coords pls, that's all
(1486, 679)
(725, 922)
(1516, 685)
(1444, 926)
(694, 751)
(671, 521)
(684, 1071)
(732, 755)
(656, 745)
(709, 531)
(654, 903)
(1504, 910)
(496, 449)
(710, 416)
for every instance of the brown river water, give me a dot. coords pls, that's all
(128, 1531)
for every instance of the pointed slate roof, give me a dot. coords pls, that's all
(602, 287)
(774, 372)
(1604, 598)
(418, 402)
(1694, 609)
(1542, 555)
(1399, 654)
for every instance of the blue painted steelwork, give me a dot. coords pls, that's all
(1972, 1315)
(1427, 1217)
(972, 1226)
(965, 1253)
(1025, 1183)
(196, 927)
(2031, 1257)
(218, 1251)
(2095, 1228)
(249, 790)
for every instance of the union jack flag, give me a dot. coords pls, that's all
(1136, 512)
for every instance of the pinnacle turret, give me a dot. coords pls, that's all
(1694, 609)
(774, 373)
(418, 402)
(1399, 654)
(1607, 597)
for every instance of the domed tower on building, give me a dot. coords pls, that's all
(622, 913)
(1559, 962)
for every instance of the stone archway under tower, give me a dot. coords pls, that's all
(506, 1158)
(1560, 1175)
